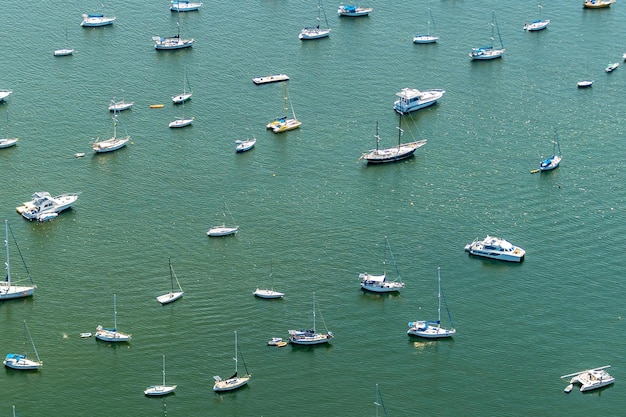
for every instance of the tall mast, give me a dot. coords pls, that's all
(235, 358)
(439, 295)
(313, 312)
(163, 370)
(114, 312)
(171, 274)
(6, 243)
(400, 131)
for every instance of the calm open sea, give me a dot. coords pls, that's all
(312, 213)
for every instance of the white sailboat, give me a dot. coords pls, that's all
(554, 160)
(223, 230)
(432, 329)
(21, 362)
(268, 293)
(8, 290)
(112, 335)
(316, 32)
(170, 43)
(112, 144)
(7, 142)
(186, 95)
(160, 390)
(64, 51)
(537, 24)
(283, 124)
(310, 336)
(427, 37)
(490, 51)
(172, 295)
(181, 121)
(379, 283)
(589, 379)
(234, 381)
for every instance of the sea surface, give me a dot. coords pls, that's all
(312, 216)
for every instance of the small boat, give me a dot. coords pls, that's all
(79, 154)
(43, 205)
(112, 335)
(379, 283)
(585, 83)
(181, 122)
(426, 37)
(597, 4)
(21, 362)
(96, 20)
(8, 142)
(268, 293)
(157, 106)
(118, 106)
(612, 67)
(354, 11)
(63, 52)
(396, 153)
(186, 94)
(431, 329)
(270, 79)
(496, 248)
(412, 99)
(537, 24)
(589, 379)
(310, 336)
(284, 124)
(184, 6)
(316, 32)
(112, 144)
(172, 295)
(4, 94)
(624, 56)
(223, 230)
(244, 145)
(552, 161)
(276, 341)
(85, 335)
(489, 52)
(160, 390)
(234, 381)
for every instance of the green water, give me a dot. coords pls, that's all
(312, 213)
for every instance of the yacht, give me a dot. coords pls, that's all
(590, 379)
(496, 248)
(412, 99)
(45, 207)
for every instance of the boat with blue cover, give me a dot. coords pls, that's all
(490, 51)
(354, 11)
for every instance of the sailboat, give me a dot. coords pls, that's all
(316, 32)
(97, 19)
(172, 42)
(234, 381)
(489, 52)
(172, 295)
(182, 121)
(427, 37)
(8, 290)
(160, 390)
(283, 124)
(118, 106)
(538, 24)
(223, 230)
(379, 283)
(112, 335)
(268, 293)
(396, 153)
(7, 142)
(378, 401)
(186, 95)
(112, 144)
(64, 51)
(431, 329)
(554, 160)
(310, 336)
(21, 362)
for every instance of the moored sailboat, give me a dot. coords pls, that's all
(491, 51)
(431, 329)
(554, 160)
(379, 283)
(396, 153)
(310, 336)
(8, 289)
(112, 144)
(160, 390)
(112, 334)
(316, 32)
(235, 381)
(427, 37)
(22, 362)
(173, 295)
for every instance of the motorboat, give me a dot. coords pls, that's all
(496, 248)
(8, 142)
(184, 6)
(589, 379)
(171, 42)
(45, 207)
(612, 67)
(597, 4)
(117, 106)
(275, 341)
(536, 25)
(270, 79)
(4, 94)
(354, 11)
(412, 99)
(96, 20)
(585, 83)
(244, 145)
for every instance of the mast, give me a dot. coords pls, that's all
(377, 136)
(171, 276)
(8, 264)
(114, 313)
(235, 358)
(31, 341)
(163, 370)
(439, 295)
(400, 131)
(314, 313)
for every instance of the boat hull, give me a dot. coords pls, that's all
(308, 34)
(221, 231)
(111, 336)
(109, 145)
(270, 79)
(63, 52)
(304, 337)
(420, 329)
(425, 39)
(159, 390)
(181, 123)
(230, 384)
(170, 297)
(7, 143)
(268, 294)
(21, 363)
(91, 21)
(495, 248)
(487, 54)
(536, 25)
(398, 153)
(381, 288)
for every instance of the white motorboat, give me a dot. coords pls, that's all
(397, 153)
(431, 329)
(585, 83)
(234, 381)
(45, 207)
(160, 390)
(223, 230)
(112, 335)
(8, 289)
(118, 106)
(589, 379)
(270, 79)
(244, 145)
(22, 362)
(96, 20)
(310, 336)
(8, 142)
(612, 67)
(412, 99)
(554, 160)
(489, 52)
(496, 248)
(379, 283)
(316, 32)
(184, 6)
(354, 11)
(4, 94)
(174, 294)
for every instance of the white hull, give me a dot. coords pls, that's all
(313, 33)
(181, 123)
(63, 52)
(420, 329)
(20, 362)
(289, 124)
(181, 98)
(590, 380)
(425, 39)
(496, 248)
(109, 145)
(96, 21)
(112, 336)
(244, 145)
(45, 207)
(170, 297)
(230, 384)
(120, 106)
(268, 294)
(351, 11)
(222, 231)
(172, 43)
(4, 94)
(8, 142)
(9, 292)
(159, 390)
(486, 54)
(184, 6)
(270, 79)
(412, 99)
(316, 339)
(537, 25)
(382, 288)
(585, 83)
